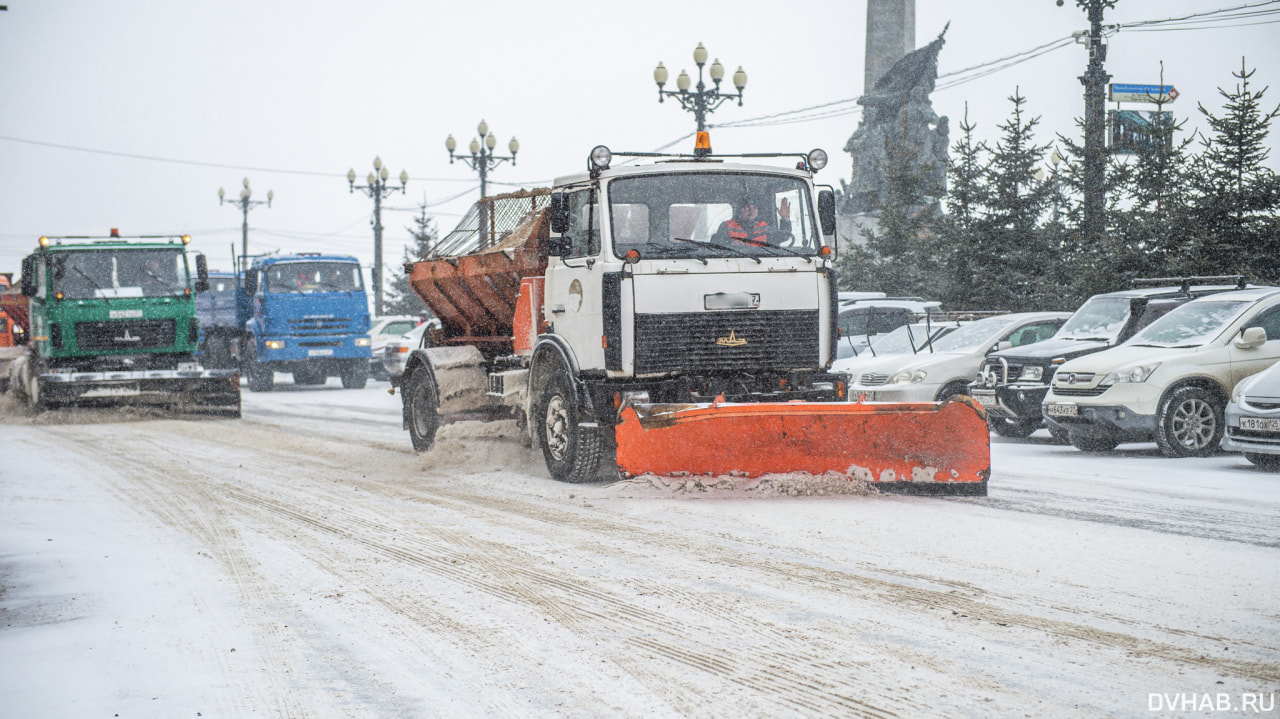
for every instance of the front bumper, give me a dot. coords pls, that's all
(1253, 441)
(1012, 401)
(1102, 420)
(305, 349)
(921, 392)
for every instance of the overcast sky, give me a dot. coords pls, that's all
(132, 113)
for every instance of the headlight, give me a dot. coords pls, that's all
(363, 342)
(1131, 373)
(274, 344)
(1032, 373)
(908, 376)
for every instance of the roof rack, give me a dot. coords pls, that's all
(1184, 283)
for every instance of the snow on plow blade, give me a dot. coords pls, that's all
(908, 447)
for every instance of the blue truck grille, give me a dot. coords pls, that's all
(699, 341)
(125, 334)
(321, 324)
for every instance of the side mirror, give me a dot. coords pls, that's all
(1251, 337)
(202, 274)
(559, 214)
(29, 276)
(1002, 346)
(827, 211)
(250, 283)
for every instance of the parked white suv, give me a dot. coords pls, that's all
(1171, 381)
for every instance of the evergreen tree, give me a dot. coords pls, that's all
(1234, 219)
(960, 241)
(401, 299)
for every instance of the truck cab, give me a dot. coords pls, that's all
(305, 314)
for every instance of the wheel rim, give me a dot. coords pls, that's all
(420, 400)
(1194, 424)
(557, 427)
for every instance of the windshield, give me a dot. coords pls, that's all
(907, 339)
(1190, 325)
(1101, 318)
(111, 273)
(314, 276)
(704, 215)
(972, 336)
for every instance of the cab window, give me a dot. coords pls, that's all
(584, 224)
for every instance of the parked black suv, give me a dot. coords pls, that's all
(1012, 383)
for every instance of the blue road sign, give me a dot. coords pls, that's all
(1143, 93)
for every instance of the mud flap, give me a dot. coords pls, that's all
(916, 448)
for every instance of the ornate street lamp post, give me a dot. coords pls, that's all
(703, 100)
(245, 204)
(376, 187)
(482, 160)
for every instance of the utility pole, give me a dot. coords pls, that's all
(376, 187)
(245, 204)
(1095, 81)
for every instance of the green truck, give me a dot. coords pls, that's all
(113, 321)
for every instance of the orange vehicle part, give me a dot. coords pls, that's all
(907, 447)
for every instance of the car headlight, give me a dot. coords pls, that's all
(1032, 373)
(1131, 373)
(274, 344)
(363, 342)
(909, 376)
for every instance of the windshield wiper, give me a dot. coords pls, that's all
(789, 251)
(714, 246)
(93, 282)
(660, 249)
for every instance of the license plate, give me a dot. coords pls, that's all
(1260, 424)
(1060, 410)
(319, 353)
(985, 398)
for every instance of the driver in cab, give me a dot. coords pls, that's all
(748, 228)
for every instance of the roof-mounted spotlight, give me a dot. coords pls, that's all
(817, 159)
(601, 156)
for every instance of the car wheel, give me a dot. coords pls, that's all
(954, 389)
(572, 452)
(1059, 436)
(1092, 443)
(1012, 427)
(1189, 423)
(1264, 461)
(421, 409)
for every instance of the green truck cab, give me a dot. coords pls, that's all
(113, 321)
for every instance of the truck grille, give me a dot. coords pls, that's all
(320, 324)
(697, 341)
(125, 334)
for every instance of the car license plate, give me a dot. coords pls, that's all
(319, 353)
(1060, 410)
(1260, 424)
(986, 398)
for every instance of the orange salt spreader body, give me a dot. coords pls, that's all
(908, 447)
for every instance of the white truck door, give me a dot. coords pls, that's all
(573, 284)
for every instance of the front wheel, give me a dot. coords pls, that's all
(260, 377)
(571, 451)
(421, 411)
(355, 375)
(1189, 423)
(1015, 428)
(1059, 436)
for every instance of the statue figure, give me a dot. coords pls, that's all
(898, 123)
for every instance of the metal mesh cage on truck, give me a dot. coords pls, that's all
(490, 221)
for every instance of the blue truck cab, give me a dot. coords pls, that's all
(305, 314)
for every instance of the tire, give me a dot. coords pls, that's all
(1190, 423)
(421, 409)
(1089, 443)
(355, 375)
(258, 376)
(1264, 461)
(1058, 436)
(952, 390)
(309, 376)
(1015, 428)
(572, 452)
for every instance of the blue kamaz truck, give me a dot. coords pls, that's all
(305, 314)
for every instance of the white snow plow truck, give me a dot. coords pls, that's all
(645, 316)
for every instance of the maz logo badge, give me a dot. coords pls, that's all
(128, 337)
(730, 341)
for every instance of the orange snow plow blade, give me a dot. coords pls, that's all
(908, 447)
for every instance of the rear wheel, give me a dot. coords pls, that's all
(1017, 428)
(1264, 461)
(1091, 443)
(1189, 423)
(259, 377)
(356, 374)
(422, 414)
(572, 452)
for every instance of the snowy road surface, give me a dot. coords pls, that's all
(303, 562)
